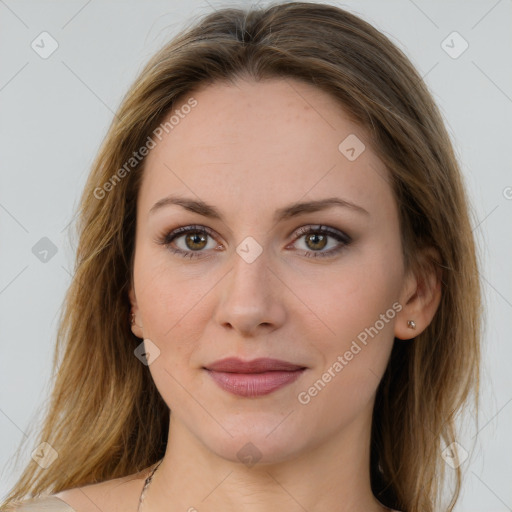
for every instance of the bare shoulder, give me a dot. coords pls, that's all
(117, 495)
(39, 504)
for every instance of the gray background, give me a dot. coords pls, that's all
(54, 113)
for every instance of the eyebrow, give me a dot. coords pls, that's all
(202, 208)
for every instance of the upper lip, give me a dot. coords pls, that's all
(263, 364)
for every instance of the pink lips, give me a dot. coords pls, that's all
(253, 378)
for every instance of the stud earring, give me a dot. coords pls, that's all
(411, 324)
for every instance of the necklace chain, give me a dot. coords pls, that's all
(146, 486)
(150, 478)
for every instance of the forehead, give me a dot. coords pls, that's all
(251, 145)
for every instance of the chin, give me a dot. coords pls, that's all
(250, 452)
(256, 441)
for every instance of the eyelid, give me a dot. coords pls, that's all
(169, 236)
(304, 230)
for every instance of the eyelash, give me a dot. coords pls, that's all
(341, 237)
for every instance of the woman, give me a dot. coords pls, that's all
(275, 303)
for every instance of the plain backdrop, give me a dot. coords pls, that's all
(54, 113)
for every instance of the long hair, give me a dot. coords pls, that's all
(105, 417)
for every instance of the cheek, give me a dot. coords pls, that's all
(171, 307)
(354, 358)
(173, 317)
(358, 303)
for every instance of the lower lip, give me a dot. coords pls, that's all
(254, 384)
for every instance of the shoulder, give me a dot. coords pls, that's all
(117, 495)
(46, 504)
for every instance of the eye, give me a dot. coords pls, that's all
(189, 241)
(316, 238)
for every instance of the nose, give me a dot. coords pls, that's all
(251, 300)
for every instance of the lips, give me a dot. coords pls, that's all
(253, 378)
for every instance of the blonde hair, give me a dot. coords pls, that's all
(106, 418)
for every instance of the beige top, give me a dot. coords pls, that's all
(43, 504)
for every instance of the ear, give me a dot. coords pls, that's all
(420, 295)
(137, 325)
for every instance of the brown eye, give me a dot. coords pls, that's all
(317, 238)
(196, 241)
(315, 241)
(190, 241)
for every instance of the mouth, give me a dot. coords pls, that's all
(253, 378)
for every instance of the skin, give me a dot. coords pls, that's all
(250, 149)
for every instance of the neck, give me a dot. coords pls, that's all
(330, 476)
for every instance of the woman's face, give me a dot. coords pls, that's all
(247, 283)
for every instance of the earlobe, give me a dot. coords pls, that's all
(406, 329)
(421, 298)
(137, 330)
(135, 323)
